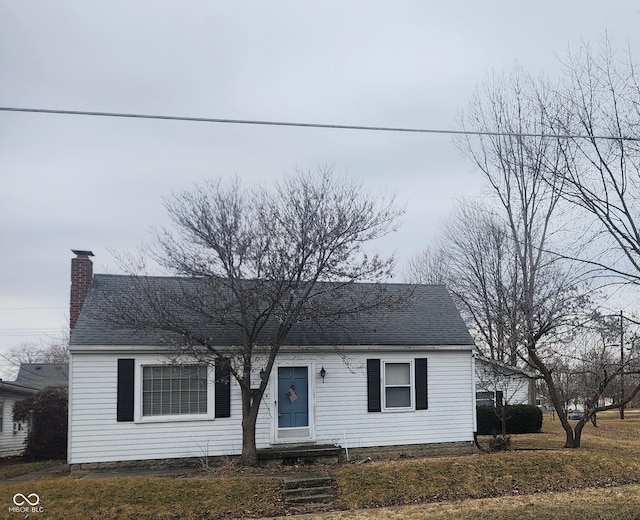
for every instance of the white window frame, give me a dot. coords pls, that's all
(138, 398)
(411, 385)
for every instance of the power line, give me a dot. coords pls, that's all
(310, 125)
(29, 308)
(21, 333)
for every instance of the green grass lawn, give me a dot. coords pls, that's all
(541, 481)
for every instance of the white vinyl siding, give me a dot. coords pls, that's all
(96, 435)
(341, 403)
(13, 435)
(489, 380)
(338, 408)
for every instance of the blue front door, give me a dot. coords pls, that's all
(293, 397)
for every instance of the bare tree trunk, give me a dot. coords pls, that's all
(554, 395)
(574, 435)
(532, 391)
(570, 439)
(249, 419)
(503, 419)
(249, 450)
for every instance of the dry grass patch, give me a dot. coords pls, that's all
(526, 484)
(447, 478)
(11, 468)
(619, 503)
(151, 497)
(610, 456)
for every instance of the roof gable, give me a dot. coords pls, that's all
(504, 369)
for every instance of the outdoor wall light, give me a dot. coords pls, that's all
(323, 373)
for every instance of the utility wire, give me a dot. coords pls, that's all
(310, 125)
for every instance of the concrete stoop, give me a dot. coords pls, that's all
(308, 490)
(300, 454)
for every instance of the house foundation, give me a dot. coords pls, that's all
(290, 455)
(404, 451)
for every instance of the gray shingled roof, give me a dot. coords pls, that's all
(41, 375)
(15, 389)
(430, 318)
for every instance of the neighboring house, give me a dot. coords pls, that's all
(42, 375)
(499, 383)
(32, 377)
(407, 383)
(12, 434)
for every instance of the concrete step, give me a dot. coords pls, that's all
(311, 499)
(305, 492)
(308, 489)
(296, 454)
(307, 482)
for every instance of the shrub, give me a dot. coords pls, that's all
(46, 413)
(500, 443)
(488, 420)
(521, 418)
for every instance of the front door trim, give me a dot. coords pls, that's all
(293, 435)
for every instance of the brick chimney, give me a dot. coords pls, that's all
(81, 274)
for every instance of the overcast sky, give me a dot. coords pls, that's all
(98, 183)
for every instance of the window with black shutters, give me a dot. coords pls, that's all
(397, 385)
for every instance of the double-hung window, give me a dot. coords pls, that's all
(398, 386)
(174, 390)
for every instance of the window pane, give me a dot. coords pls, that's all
(397, 374)
(398, 397)
(202, 404)
(174, 390)
(146, 403)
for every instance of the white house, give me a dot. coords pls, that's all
(12, 434)
(500, 383)
(31, 378)
(406, 383)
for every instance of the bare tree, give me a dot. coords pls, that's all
(601, 150)
(259, 262)
(57, 351)
(515, 160)
(474, 258)
(430, 266)
(601, 170)
(590, 372)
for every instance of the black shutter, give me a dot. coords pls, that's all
(124, 411)
(421, 384)
(222, 389)
(373, 385)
